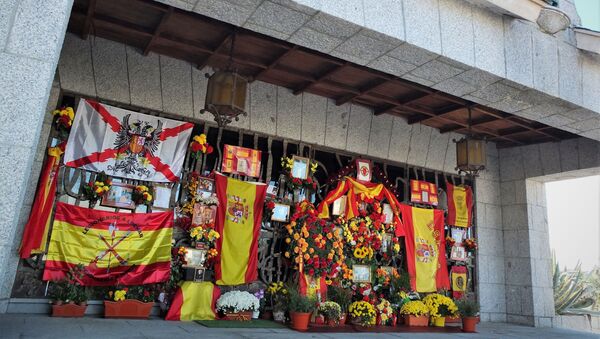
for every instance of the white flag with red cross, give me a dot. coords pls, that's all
(127, 144)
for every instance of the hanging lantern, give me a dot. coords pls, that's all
(226, 96)
(470, 155)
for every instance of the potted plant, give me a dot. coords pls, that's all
(301, 308)
(237, 305)
(343, 297)
(468, 308)
(134, 302)
(277, 296)
(69, 296)
(331, 311)
(385, 312)
(362, 313)
(415, 313)
(440, 307)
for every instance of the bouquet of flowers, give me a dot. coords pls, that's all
(363, 312)
(237, 301)
(330, 310)
(470, 245)
(385, 311)
(313, 244)
(200, 146)
(143, 195)
(440, 305)
(63, 120)
(414, 307)
(95, 190)
(143, 293)
(277, 295)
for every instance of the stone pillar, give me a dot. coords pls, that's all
(31, 36)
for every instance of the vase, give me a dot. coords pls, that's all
(469, 324)
(438, 321)
(255, 314)
(128, 308)
(412, 320)
(279, 316)
(68, 310)
(239, 316)
(300, 320)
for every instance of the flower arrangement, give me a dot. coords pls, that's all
(363, 312)
(204, 234)
(414, 307)
(200, 146)
(342, 296)
(143, 195)
(237, 301)
(363, 239)
(143, 293)
(470, 245)
(63, 120)
(440, 305)
(193, 196)
(330, 310)
(449, 243)
(385, 311)
(69, 289)
(268, 209)
(297, 183)
(277, 295)
(95, 190)
(313, 244)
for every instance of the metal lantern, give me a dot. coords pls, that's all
(470, 155)
(226, 96)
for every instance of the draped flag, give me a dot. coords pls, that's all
(238, 221)
(458, 276)
(351, 187)
(460, 205)
(194, 301)
(127, 144)
(425, 249)
(114, 248)
(312, 286)
(36, 230)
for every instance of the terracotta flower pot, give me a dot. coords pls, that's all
(343, 318)
(412, 320)
(68, 310)
(438, 321)
(128, 308)
(300, 320)
(394, 320)
(240, 316)
(469, 324)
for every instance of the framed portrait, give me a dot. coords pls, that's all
(363, 170)
(162, 197)
(241, 160)
(272, 189)
(386, 241)
(458, 253)
(194, 257)
(281, 213)
(202, 214)
(205, 188)
(199, 274)
(386, 210)
(361, 273)
(458, 235)
(338, 232)
(300, 167)
(120, 196)
(339, 206)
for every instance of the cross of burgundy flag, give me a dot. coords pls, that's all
(127, 144)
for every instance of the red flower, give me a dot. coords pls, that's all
(209, 149)
(270, 205)
(311, 272)
(146, 293)
(309, 180)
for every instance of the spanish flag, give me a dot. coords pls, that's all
(36, 231)
(114, 248)
(458, 275)
(239, 218)
(460, 205)
(425, 248)
(194, 301)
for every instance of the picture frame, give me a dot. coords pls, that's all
(338, 232)
(203, 214)
(199, 274)
(205, 188)
(162, 197)
(388, 269)
(281, 213)
(458, 253)
(300, 167)
(272, 189)
(364, 171)
(458, 235)
(361, 273)
(120, 195)
(339, 206)
(386, 210)
(241, 160)
(386, 241)
(195, 257)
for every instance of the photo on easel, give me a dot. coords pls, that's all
(300, 167)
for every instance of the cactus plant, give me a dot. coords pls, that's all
(570, 289)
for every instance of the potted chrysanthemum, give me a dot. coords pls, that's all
(440, 307)
(133, 302)
(385, 312)
(415, 313)
(469, 311)
(331, 311)
(362, 313)
(238, 305)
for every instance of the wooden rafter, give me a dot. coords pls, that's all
(454, 128)
(159, 29)
(403, 103)
(320, 78)
(510, 118)
(444, 112)
(87, 25)
(368, 88)
(274, 63)
(206, 61)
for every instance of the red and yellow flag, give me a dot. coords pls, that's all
(458, 275)
(114, 248)
(312, 286)
(460, 205)
(425, 248)
(36, 231)
(194, 301)
(238, 221)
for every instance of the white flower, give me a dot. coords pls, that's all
(237, 301)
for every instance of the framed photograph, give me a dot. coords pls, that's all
(120, 196)
(203, 214)
(339, 206)
(458, 235)
(423, 192)
(241, 160)
(281, 213)
(361, 273)
(387, 269)
(386, 241)
(300, 167)
(272, 189)
(338, 232)
(458, 253)
(162, 197)
(363, 170)
(195, 257)
(388, 213)
(199, 274)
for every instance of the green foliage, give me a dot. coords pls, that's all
(467, 306)
(299, 303)
(70, 288)
(569, 289)
(340, 295)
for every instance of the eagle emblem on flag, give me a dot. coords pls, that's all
(137, 139)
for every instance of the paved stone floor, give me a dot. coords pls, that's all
(37, 326)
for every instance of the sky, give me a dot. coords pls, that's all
(589, 12)
(574, 221)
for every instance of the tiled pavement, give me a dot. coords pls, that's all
(36, 326)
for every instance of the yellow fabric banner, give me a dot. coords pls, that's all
(197, 301)
(426, 262)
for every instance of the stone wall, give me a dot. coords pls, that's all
(31, 34)
(523, 172)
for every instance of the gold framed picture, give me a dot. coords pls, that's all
(361, 273)
(300, 167)
(386, 241)
(281, 213)
(339, 206)
(119, 196)
(363, 170)
(162, 197)
(458, 253)
(203, 215)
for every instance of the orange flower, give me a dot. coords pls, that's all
(306, 256)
